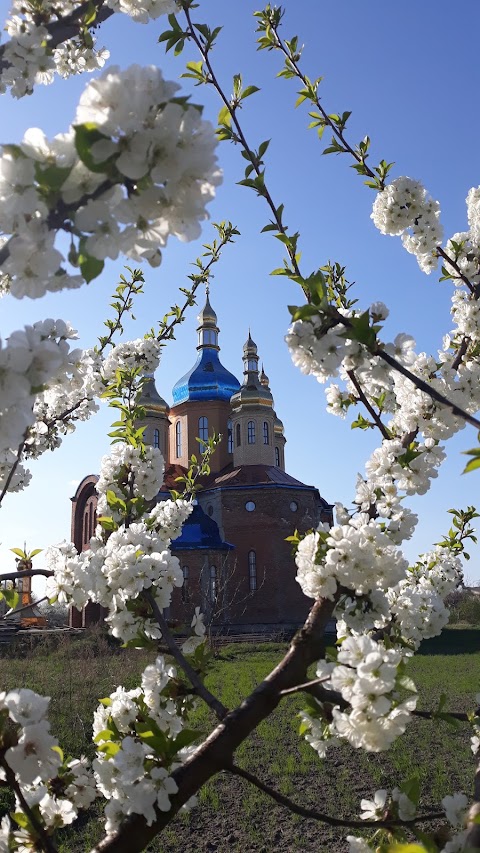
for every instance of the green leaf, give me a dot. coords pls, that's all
(475, 462)
(250, 90)
(12, 597)
(85, 136)
(18, 552)
(407, 683)
(51, 177)
(110, 748)
(411, 788)
(20, 819)
(90, 267)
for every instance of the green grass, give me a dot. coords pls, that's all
(232, 816)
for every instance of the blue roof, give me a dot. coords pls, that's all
(208, 379)
(200, 531)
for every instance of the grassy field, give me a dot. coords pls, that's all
(233, 816)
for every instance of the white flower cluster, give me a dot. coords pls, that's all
(404, 207)
(31, 360)
(28, 57)
(130, 770)
(416, 603)
(143, 11)
(129, 471)
(397, 804)
(359, 558)
(366, 675)
(142, 352)
(168, 517)
(321, 353)
(35, 759)
(114, 575)
(144, 135)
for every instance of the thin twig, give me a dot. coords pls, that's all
(455, 266)
(13, 469)
(427, 389)
(220, 710)
(363, 399)
(241, 137)
(312, 814)
(462, 350)
(304, 687)
(25, 607)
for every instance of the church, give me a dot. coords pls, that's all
(237, 565)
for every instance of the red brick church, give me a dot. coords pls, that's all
(236, 563)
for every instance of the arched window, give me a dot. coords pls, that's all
(203, 429)
(178, 439)
(277, 457)
(229, 436)
(252, 364)
(266, 433)
(156, 438)
(251, 432)
(239, 435)
(213, 584)
(252, 570)
(185, 587)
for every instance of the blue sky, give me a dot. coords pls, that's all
(414, 93)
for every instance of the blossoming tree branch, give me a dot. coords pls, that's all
(138, 166)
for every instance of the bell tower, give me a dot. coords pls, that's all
(253, 417)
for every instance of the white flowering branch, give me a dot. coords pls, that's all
(217, 707)
(42, 838)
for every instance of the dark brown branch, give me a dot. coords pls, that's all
(216, 753)
(312, 814)
(219, 710)
(363, 399)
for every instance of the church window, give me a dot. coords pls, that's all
(250, 506)
(294, 506)
(213, 591)
(277, 457)
(210, 510)
(209, 337)
(266, 433)
(229, 436)
(239, 435)
(252, 364)
(251, 432)
(252, 570)
(203, 429)
(178, 439)
(185, 587)
(156, 438)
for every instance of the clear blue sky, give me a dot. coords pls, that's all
(410, 74)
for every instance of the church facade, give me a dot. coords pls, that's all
(236, 563)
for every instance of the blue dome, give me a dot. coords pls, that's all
(207, 380)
